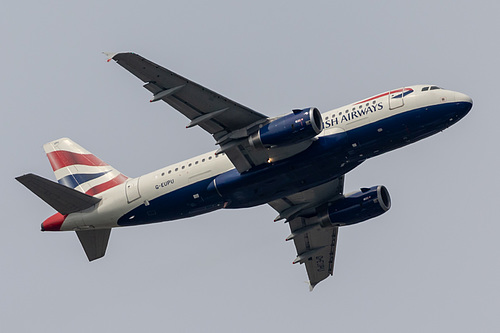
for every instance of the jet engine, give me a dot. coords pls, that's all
(357, 207)
(293, 128)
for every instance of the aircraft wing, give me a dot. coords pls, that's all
(316, 244)
(230, 123)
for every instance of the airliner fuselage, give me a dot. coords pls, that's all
(296, 163)
(352, 134)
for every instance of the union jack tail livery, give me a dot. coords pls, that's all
(77, 168)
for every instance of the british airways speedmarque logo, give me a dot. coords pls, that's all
(402, 93)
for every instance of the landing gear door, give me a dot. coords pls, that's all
(396, 98)
(132, 189)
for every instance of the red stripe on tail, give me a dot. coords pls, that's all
(61, 158)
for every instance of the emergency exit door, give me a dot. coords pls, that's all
(132, 189)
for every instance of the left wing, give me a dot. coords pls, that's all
(230, 123)
(315, 241)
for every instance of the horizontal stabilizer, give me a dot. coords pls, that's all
(62, 198)
(94, 242)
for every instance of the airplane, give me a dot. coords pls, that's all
(295, 163)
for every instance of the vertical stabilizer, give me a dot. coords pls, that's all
(77, 168)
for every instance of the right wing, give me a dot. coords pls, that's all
(315, 242)
(315, 246)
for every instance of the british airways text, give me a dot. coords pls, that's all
(359, 113)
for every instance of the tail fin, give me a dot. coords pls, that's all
(77, 168)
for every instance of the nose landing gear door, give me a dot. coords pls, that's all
(396, 98)
(132, 189)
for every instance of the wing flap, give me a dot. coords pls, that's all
(306, 202)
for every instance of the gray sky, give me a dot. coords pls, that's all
(429, 264)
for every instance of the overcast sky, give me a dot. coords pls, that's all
(430, 264)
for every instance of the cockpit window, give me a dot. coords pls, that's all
(431, 88)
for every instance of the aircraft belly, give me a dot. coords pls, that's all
(320, 163)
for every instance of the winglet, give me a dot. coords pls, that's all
(110, 55)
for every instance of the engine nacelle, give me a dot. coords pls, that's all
(357, 207)
(290, 129)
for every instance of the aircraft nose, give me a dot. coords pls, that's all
(459, 97)
(463, 104)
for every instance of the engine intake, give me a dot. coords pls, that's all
(293, 128)
(357, 207)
